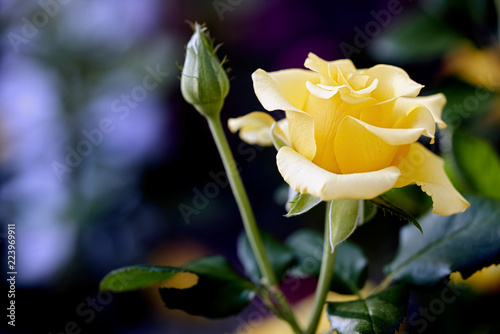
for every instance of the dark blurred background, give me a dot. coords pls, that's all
(100, 157)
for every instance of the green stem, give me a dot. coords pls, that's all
(325, 278)
(383, 285)
(249, 222)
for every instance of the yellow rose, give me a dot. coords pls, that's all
(350, 133)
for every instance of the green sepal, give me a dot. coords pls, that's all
(381, 313)
(370, 211)
(344, 216)
(302, 203)
(387, 206)
(463, 242)
(280, 255)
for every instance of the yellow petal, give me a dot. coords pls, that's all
(329, 68)
(393, 82)
(322, 91)
(424, 168)
(434, 104)
(420, 118)
(278, 135)
(327, 115)
(283, 90)
(380, 114)
(254, 128)
(392, 136)
(286, 90)
(307, 178)
(282, 127)
(361, 147)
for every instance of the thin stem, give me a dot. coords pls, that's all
(249, 222)
(383, 285)
(325, 277)
(241, 199)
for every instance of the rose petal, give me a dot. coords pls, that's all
(424, 168)
(282, 128)
(420, 117)
(393, 82)
(361, 147)
(434, 103)
(322, 91)
(283, 90)
(286, 90)
(307, 178)
(329, 68)
(381, 114)
(254, 128)
(278, 136)
(392, 136)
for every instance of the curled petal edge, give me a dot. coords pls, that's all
(270, 88)
(307, 178)
(425, 169)
(434, 103)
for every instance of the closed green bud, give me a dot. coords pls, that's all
(204, 83)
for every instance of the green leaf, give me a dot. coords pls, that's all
(301, 204)
(388, 206)
(464, 242)
(414, 37)
(280, 255)
(378, 314)
(479, 163)
(308, 248)
(351, 269)
(351, 266)
(220, 291)
(344, 216)
(136, 277)
(197, 288)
